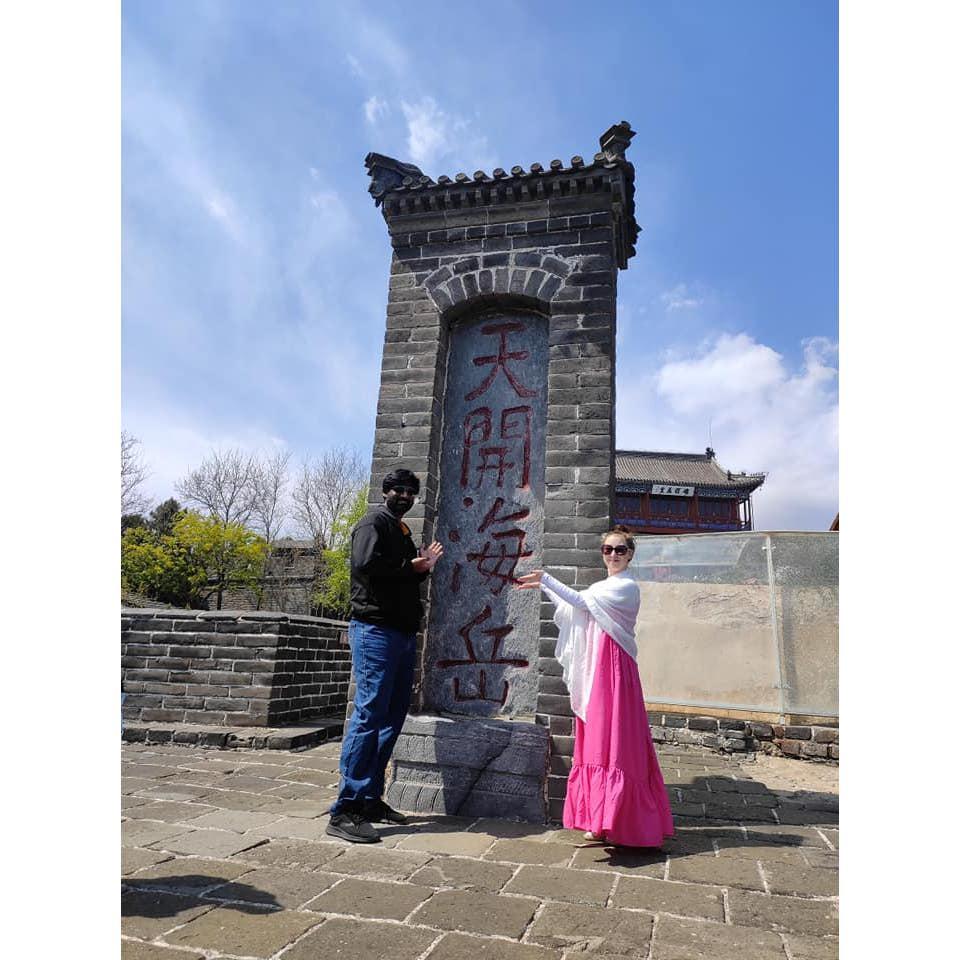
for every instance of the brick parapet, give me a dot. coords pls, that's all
(806, 741)
(236, 668)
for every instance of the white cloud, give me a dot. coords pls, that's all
(740, 397)
(378, 44)
(166, 129)
(427, 130)
(374, 108)
(729, 371)
(355, 68)
(434, 135)
(679, 299)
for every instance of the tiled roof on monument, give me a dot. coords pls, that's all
(696, 469)
(409, 191)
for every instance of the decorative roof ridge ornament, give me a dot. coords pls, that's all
(614, 142)
(386, 174)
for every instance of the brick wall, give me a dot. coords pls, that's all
(808, 741)
(236, 668)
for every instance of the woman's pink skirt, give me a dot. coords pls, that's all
(615, 786)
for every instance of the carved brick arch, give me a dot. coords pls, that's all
(522, 279)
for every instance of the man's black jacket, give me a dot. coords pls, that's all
(384, 587)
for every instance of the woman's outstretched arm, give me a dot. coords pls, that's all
(552, 587)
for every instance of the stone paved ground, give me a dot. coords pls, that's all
(224, 855)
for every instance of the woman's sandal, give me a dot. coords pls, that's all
(594, 837)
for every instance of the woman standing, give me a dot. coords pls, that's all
(615, 791)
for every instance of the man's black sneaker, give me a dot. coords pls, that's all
(378, 812)
(352, 826)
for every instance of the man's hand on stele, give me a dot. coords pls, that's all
(428, 557)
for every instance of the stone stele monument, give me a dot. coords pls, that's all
(497, 389)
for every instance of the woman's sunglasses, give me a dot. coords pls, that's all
(620, 550)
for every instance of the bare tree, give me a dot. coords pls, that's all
(269, 513)
(225, 485)
(270, 505)
(324, 492)
(133, 472)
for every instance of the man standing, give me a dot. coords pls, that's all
(386, 570)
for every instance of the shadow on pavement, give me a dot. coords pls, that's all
(163, 896)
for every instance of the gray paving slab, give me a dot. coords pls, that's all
(561, 883)
(828, 859)
(316, 778)
(136, 858)
(173, 791)
(371, 899)
(291, 791)
(208, 843)
(239, 821)
(812, 948)
(142, 833)
(285, 852)
(307, 808)
(169, 811)
(139, 950)
(621, 860)
(225, 853)
(719, 871)
(510, 828)
(532, 852)
(147, 914)
(661, 896)
(476, 911)
(682, 939)
(376, 863)
(185, 875)
(298, 828)
(350, 939)
(457, 844)
(797, 881)
(461, 946)
(246, 932)
(275, 886)
(232, 800)
(464, 873)
(577, 928)
(786, 914)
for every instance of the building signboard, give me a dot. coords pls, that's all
(670, 490)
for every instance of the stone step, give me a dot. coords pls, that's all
(299, 737)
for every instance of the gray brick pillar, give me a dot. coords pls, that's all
(502, 289)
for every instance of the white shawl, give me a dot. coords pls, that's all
(608, 606)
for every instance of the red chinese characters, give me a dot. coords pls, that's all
(497, 635)
(499, 361)
(495, 462)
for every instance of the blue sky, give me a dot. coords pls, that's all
(255, 265)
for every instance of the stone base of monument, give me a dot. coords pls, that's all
(471, 768)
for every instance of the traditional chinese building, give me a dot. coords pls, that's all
(663, 493)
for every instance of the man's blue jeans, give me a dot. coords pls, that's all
(383, 662)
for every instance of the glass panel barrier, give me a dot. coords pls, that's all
(724, 624)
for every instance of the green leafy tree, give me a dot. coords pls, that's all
(198, 558)
(163, 517)
(160, 567)
(333, 586)
(130, 520)
(228, 554)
